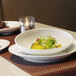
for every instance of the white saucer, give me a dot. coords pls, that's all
(3, 44)
(43, 59)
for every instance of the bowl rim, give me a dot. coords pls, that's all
(44, 49)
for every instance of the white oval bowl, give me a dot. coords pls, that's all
(13, 26)
(25, 40)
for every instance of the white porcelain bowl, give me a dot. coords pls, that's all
(13, 26)
(25, 40)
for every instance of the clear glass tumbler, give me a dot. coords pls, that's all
(26, 23)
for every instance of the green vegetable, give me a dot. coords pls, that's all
(45, 43)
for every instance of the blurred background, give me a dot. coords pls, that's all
(60, 13)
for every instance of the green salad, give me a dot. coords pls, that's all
(45, 43)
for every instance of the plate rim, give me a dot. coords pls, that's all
(6, 45)
(68, 53)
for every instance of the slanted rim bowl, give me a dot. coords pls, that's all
(25, 40)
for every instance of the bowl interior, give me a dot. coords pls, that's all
(28, 37)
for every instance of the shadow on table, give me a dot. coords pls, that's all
(4, 50)
(21, 61)
(10, 33)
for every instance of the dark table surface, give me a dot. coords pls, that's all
(66, 67)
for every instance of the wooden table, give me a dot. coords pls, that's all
(11, 65)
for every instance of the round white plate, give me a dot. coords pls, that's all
(13, 26)
(43, 59)
(3, 44)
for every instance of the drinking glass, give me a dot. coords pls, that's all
(26, 23)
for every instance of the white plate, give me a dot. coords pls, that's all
(13, 26)
(26, 39)
(3, 44)
(43, 59)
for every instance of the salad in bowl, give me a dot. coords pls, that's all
(45, 43)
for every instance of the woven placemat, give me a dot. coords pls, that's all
(66, 67)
